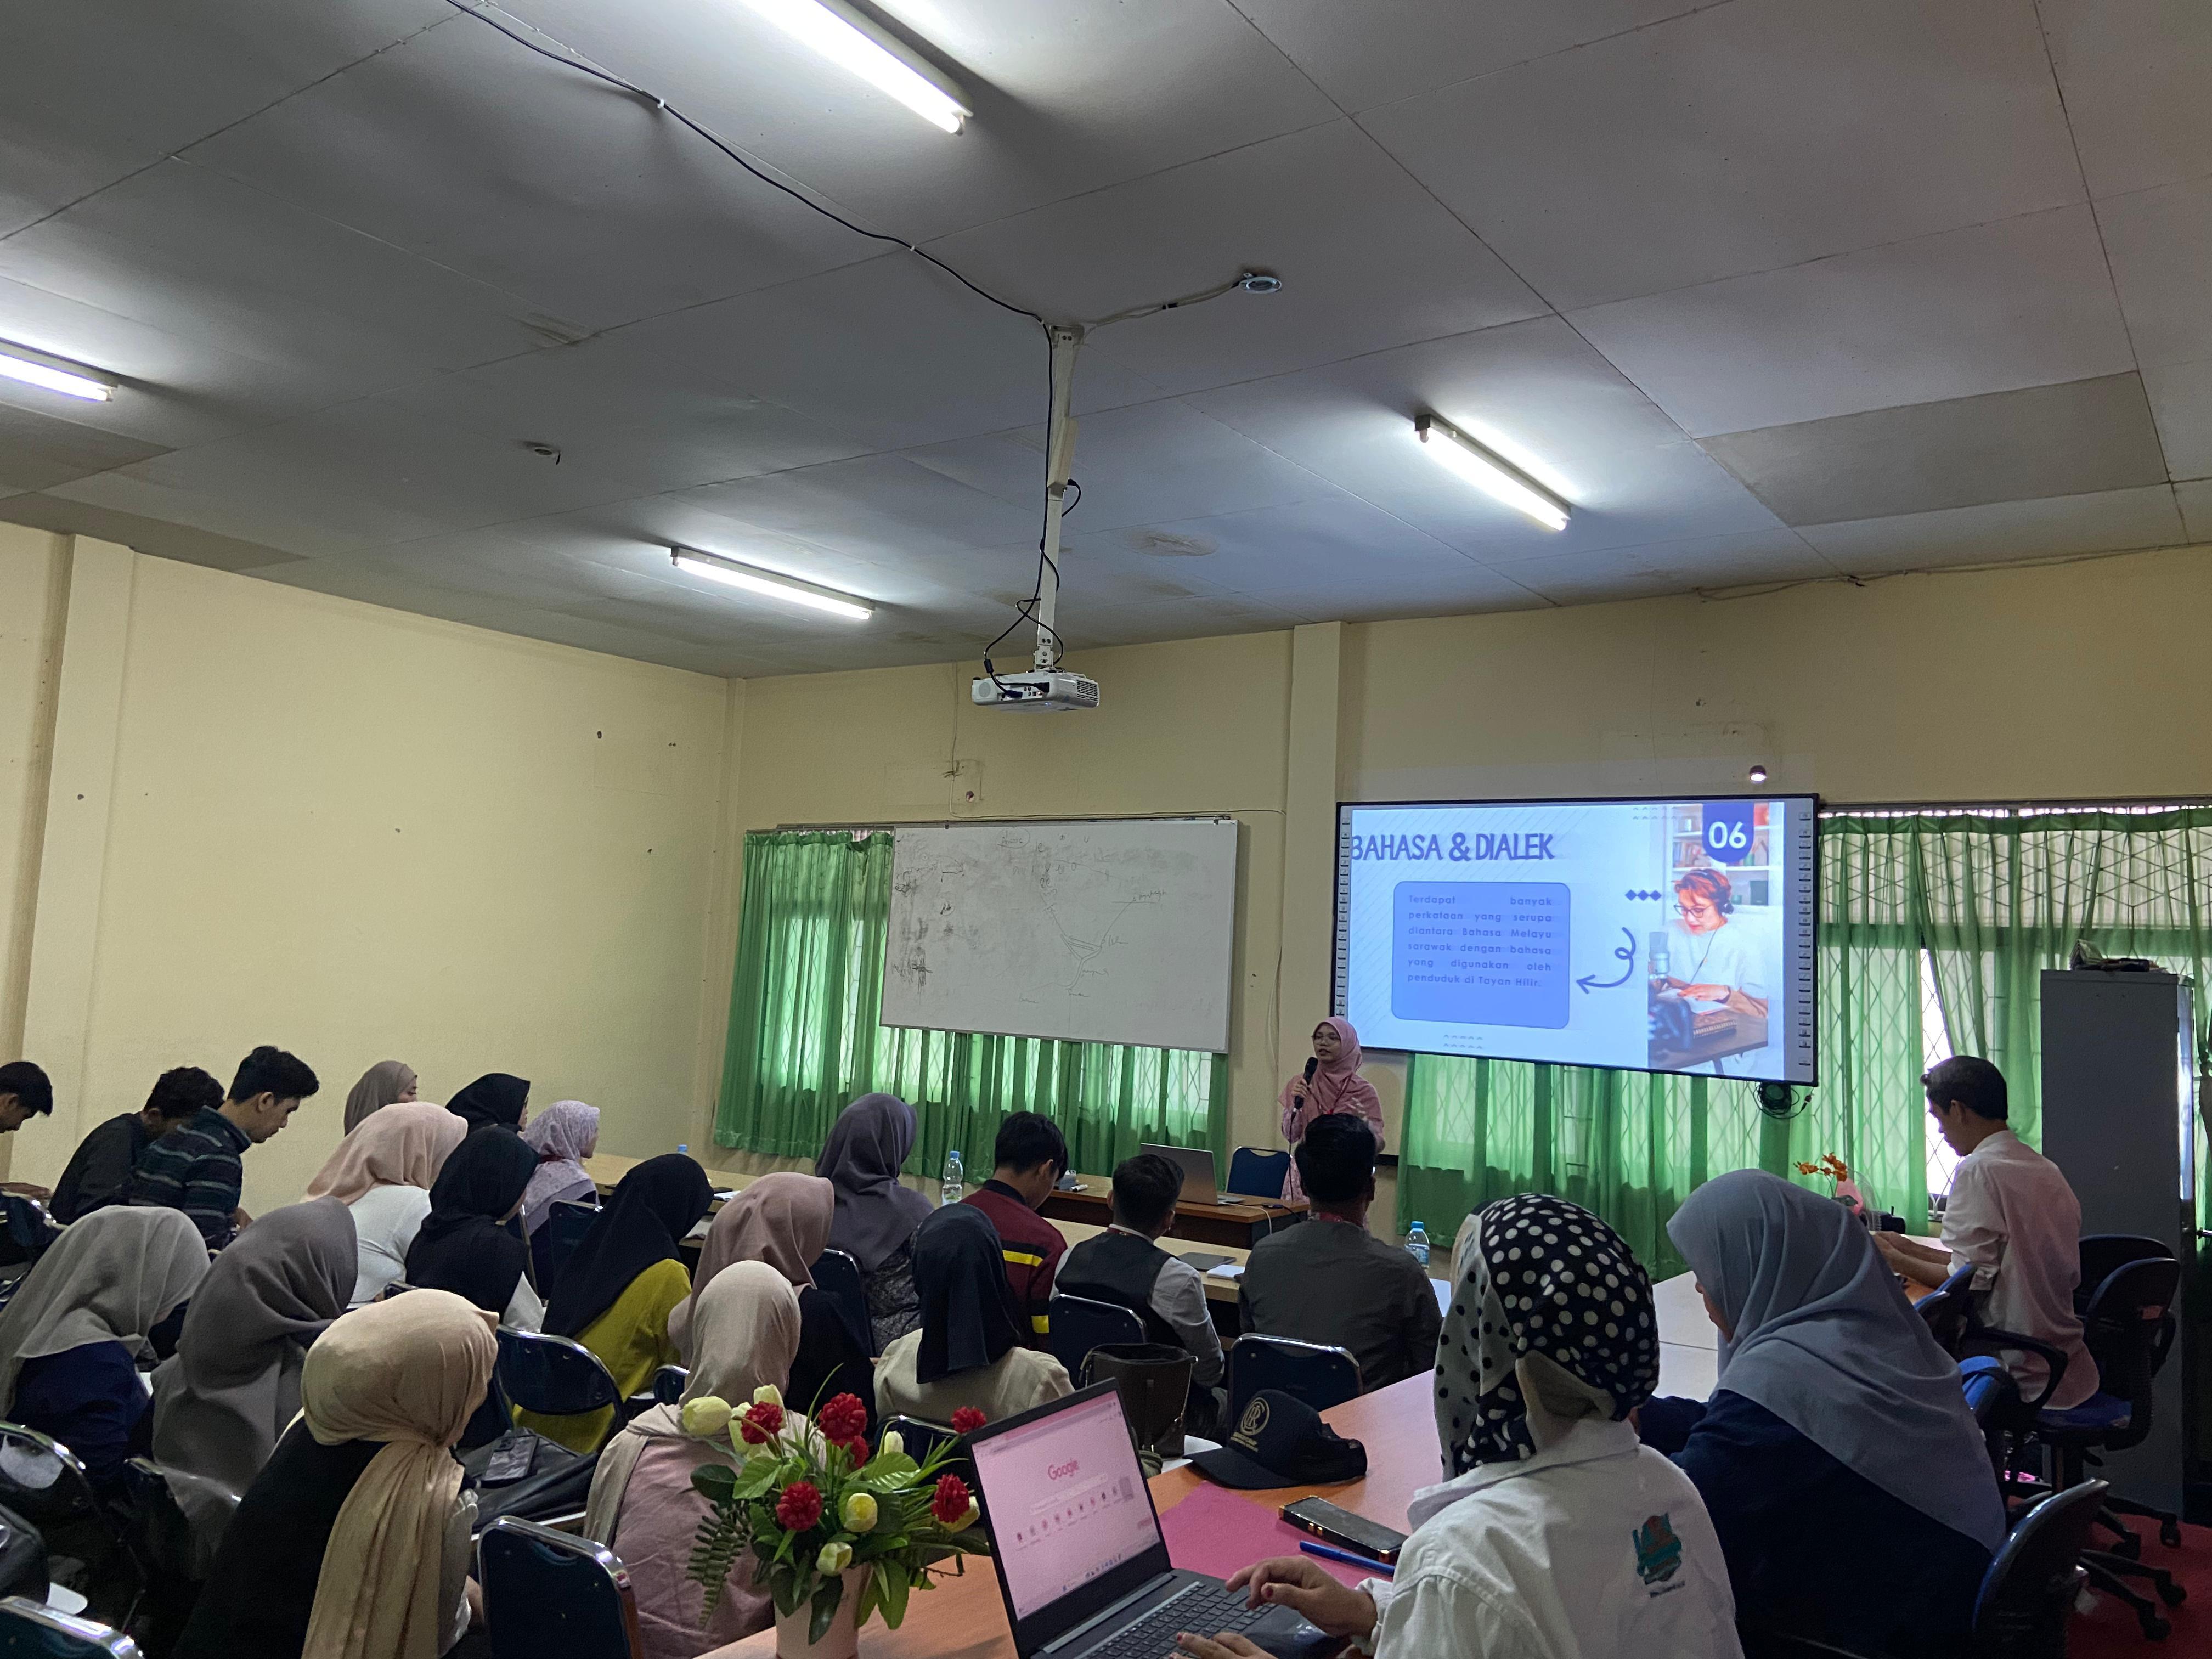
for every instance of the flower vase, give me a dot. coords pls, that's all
(841, 1641)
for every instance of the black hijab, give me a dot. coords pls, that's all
(656, 1204)
(967, 1310)
(462, 1246)
(494, 1099)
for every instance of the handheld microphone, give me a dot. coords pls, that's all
(1311, 1063)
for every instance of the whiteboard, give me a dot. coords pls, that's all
(1113, 930)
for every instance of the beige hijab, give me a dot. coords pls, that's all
(380, 1085)
(111, 1278)
(404, 1144)
(782, 1220)
(407, 1373)
(747, 1332)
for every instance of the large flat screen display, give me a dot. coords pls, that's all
(1656, 935)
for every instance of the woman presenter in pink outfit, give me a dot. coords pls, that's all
(1330, 1083)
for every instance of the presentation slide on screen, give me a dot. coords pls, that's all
(1659, 935)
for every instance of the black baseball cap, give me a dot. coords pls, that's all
(1281, 1440)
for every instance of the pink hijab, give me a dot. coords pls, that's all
(1335, 1087)
(402, 1145)
(782, 1220)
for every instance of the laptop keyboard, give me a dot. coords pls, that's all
(1202, 1609)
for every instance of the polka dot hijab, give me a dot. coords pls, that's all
(1550, 1303)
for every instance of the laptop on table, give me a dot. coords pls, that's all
(1082, 1565)
(1200, 1181)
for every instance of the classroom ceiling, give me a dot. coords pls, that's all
(1771, 291)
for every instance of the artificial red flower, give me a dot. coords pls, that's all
(842, 1417)
(759, 1422)
(950, 1506)
(967, 1420)
(798, 1506)
(856, 1449)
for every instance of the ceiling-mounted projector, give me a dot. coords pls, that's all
(1050, 692)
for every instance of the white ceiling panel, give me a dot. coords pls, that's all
(2003, 531)
(93, 90)
(2160, 243)
(1380, 51)
(581, 199)
(1626, 572)
(1744, 137)
(1370, 259)
(2021, 303)
(1142, 624)
(2135, 75)
(38, 450)
(1538, 392)
(1068, 96)
(2181, 404)
(2196, 501)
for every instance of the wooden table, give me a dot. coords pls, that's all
(1241, 1224)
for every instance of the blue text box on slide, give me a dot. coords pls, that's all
(1481, 952)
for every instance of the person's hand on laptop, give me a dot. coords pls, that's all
(1296, 1582)
(1224, 1646)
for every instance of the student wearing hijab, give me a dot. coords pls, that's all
(1837, 1451)
(1330, 1083)
(70, 1339)
(353, 1543)
(1556, 1533)
(464, 1245)
(969, 1351)
(643, 1506)
(563, 1135)
(382, 1172)
(875, 1214)
(619, 1287)
(221, 1400)
(387, 1083)
(495, 1100)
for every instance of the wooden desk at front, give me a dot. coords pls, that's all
(1239, 1226)
(965, 1618)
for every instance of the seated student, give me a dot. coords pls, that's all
(1557, 1534)
(617, 1291)
(353, 1543)
(382, 1173)
(195, 1168)
(877, 1214)
(1122, 1265)
(2014, 1219)
(221, 1400)
(465, 1245)
(495, 1101)
(744, 1328)
(1837, 1451)
(967, 1352)
(26, 1092)
(99, 1170)
(563, 1135)
(70, 1341)
(783, 1219)
(1331, 1280)
(1031, 1155)
(387, 1083)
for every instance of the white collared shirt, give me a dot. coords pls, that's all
(1595, 1548)
(2013, 1218)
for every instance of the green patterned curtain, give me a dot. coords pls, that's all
(805, 1037)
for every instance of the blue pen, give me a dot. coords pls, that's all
(1329, 1553)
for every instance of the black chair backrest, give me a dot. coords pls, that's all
(1949, 1311)
(2129, 1327)
(668, 1384)
(837, 1276)
(2027, 1593)
(43, 1481)
(28, 1631)
(22, 1558)
(553, 1376)
(1320, 1374)
(1080, 1324)
(2102, 1253)
(566, 1224)
(1260, 1174)
(548, 1592)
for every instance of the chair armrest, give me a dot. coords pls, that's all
(1988, 1336)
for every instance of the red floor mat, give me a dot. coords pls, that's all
(2111, 1631)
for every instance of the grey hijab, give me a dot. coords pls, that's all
(380, 1085)
(222, 1400)
(876, 1213)
(110, 1278)
(1825, 1340)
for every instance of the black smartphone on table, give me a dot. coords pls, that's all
(1341, 1527)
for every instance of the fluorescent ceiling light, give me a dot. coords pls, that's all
(36, 368)
(1490, 472)
(770, 586)
(817, 26)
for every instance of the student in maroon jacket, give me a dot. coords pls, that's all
(1031, 1155)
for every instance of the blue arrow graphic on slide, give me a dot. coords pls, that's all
(1627, 954)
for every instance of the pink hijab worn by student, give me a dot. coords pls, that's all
(1335, 1087)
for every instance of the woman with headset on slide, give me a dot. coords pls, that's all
(1712, 964)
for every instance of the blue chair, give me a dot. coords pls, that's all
(837, 1276)
(1258, 1173)
(1080, 1324)
(549, 1592)
(566, 1224)
(1321, 1375)
(553, 1376)
(31, 1630)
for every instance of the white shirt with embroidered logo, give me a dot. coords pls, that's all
(1594, 1549)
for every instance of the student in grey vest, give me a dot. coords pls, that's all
(1122, 1265)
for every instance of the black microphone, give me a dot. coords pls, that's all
(1310, 1064)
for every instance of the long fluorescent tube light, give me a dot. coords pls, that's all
(1490, 472)
(20, 363)
(817, 26)
(728, 571)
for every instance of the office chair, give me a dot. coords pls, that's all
(42, 1481)
(837, 1276)
(566, 1224)
(26, 1229)
(668, 1385)
(1259, 1172)
(1080, 1324)
(2104, 1254)
(23, 1558)
(1320, 1374)
(31, 1630)
(553, 1376)
(547, 1592)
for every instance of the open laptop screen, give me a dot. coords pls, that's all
(1067, 1499)
(1197, 1165)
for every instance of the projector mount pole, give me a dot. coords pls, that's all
(1060, 457)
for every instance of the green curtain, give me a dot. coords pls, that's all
(805, 1038)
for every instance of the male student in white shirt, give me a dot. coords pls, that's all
(2014, 1219)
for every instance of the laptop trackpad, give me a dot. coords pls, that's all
(1287, 1635)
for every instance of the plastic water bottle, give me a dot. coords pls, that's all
(1416, 1244)
(956, 1179)
(684, 1149)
